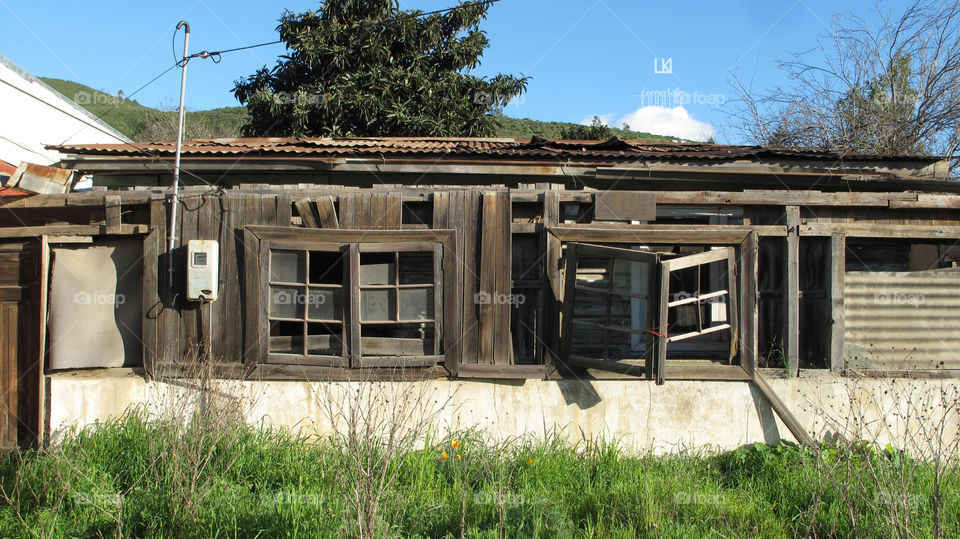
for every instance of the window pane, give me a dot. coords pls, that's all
(287, 266)
(631, 276)
(286, 337)
(324, 340)
(287, 301)
(416, 267)
(397, 340)
(416, 303)
(378, 305)
(325, 305)
(593, 272)
(377, 268)
(326, 267)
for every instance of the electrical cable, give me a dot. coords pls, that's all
(415, 15)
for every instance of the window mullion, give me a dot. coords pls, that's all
(352, 276)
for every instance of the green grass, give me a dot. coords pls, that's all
(132, 477)
(142, 123)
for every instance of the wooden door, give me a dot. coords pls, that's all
(19, 360)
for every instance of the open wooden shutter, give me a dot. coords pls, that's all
(610, 312)
(622, 310)
(672, 329)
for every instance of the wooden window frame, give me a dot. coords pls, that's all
(745, 237)
(259, 241)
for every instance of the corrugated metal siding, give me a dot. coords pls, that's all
(902, 320)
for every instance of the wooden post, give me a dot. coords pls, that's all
(791, 300)
(111, 210)
(749, 330)
(552, 288)
(838, 262)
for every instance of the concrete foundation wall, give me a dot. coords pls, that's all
(679, 415)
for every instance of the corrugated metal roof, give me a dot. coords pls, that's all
(492, 148)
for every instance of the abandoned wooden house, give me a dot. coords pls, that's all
(558, 262)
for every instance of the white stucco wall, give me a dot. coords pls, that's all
(676, 416)
(32, 114)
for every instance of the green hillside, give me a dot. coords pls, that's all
(526, 128)
(146, 124)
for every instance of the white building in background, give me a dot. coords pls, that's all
(33, 114)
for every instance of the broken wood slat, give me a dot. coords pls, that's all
(327, 212)
(305, 211)
(785, 415)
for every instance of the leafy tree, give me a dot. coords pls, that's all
(366, 68)
(890, 88)
(597, 130)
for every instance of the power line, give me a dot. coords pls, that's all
(215, 55)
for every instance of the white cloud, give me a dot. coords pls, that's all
(675, 122)
(605, 119)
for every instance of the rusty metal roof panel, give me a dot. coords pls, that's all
(493, 148)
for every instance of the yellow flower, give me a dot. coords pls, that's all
(455, 444)
(459, 457)
(530, 461)
(443, 456)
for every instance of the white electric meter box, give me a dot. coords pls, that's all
(203, 261)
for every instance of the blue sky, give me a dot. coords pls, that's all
(585, 57)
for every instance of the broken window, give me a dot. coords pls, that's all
(356, 304)
(624, 307)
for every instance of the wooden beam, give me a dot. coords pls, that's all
(785, 415)
(838, 261)
(791, 329)
(667, 234)
(878, 230)
(70, 230)
(508, 372)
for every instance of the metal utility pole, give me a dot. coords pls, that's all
(172, 236)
